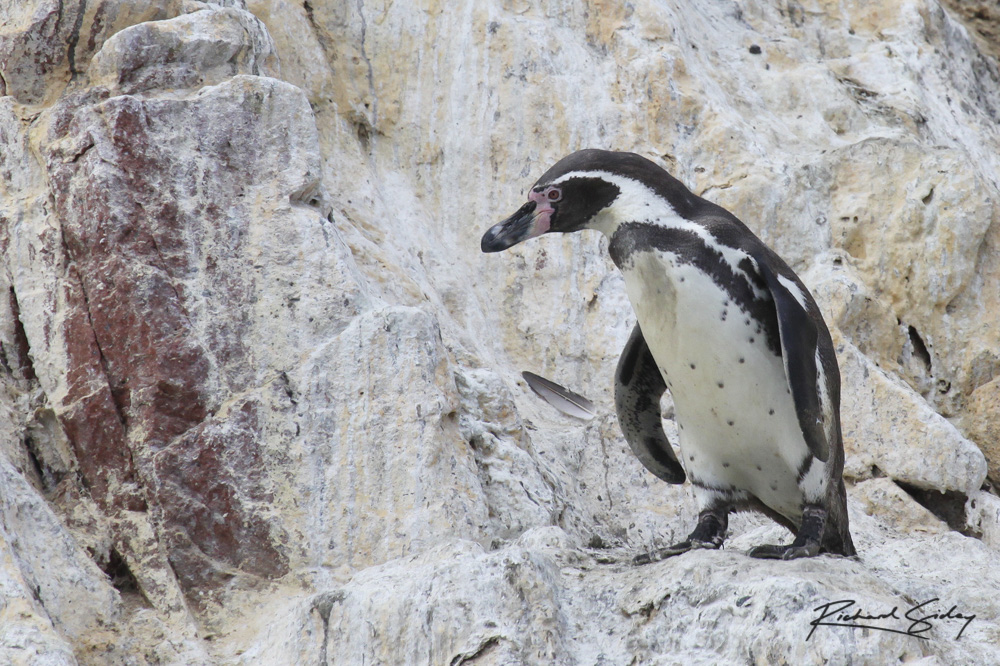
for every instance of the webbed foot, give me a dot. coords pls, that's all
(709, 534)
(806, 543)
(789, 552)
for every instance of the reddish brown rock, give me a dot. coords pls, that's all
(157, 313)
(90, 416)
(123, 233)
(47, 44)
(211, 491)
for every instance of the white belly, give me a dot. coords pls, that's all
(737, 421)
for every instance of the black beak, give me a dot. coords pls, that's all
(516, 228)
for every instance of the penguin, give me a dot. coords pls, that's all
(730, 330)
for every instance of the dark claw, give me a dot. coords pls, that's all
(768, 552)
(789, 552)
(709, 534)
(806, 542)
(677, 549)
(795, 552)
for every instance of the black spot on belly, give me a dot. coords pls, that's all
(758, 468)
(751, 340)
(774, 486)
(692, 365)
(742, 360)
(725, 464)
(730, 422)
(682, 278)
(770, 412)
(721, 385)
(691, 458)
(724, 313)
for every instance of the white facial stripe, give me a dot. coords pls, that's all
(637, 203)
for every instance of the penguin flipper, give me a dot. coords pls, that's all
(799, 352)
(638, 387)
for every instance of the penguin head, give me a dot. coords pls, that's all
(566, 198)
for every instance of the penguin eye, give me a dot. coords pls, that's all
(554, 194)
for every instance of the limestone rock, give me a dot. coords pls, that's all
(30, 584)
(260, 389)
(517, 486)
(190, 51)
(861, 315)
(984, 517)
(137, 387)
(888, 503)
(983, 423)
(983, 19)
(44, 45)
(380, 437)
(901, 435)
(522, 603)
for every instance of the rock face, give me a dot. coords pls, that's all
(262, 390)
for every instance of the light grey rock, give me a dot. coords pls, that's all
(983, 510)
(45, 45)
(380, 437)
(198, 49)
(520, 491)
(890, 505)
(890, 427)
(64, 579)
(27, 636)
(541, 600)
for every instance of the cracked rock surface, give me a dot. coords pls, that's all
(261, 390)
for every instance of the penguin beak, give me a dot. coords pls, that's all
(532, 219)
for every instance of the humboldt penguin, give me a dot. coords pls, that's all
(727, 326)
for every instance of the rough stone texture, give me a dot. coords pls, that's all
(902, 436)
(983, 19)
(984, 517)
(542, 600)
(261, 390)
(884, 498)
(982, 418)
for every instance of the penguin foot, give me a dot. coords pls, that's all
(789, 552)
(806, 542)
(709, 534)
(676, 549)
